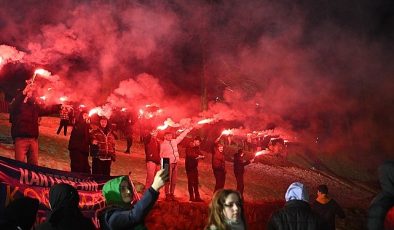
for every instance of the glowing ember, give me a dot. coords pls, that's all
(262, 152)
(93, 111)
(63, 99)
(205, 121)
(227, 132)
(42, 72)
(162, 127)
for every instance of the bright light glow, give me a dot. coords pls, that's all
(93, 111)
(123, 110)
(82, 106)
(262, 152)
(63, 99)
(43, 98)
(227, 132)
(42, 72)
(205, 121)
(162, 127)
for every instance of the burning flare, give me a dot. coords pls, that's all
(227, 132)
(63, 99)
(205, 121)
(262, 152)
(93, 111)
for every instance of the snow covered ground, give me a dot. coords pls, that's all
(265, 182)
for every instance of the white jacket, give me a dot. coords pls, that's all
(170, 148)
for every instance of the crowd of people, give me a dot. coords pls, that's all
(125, 211)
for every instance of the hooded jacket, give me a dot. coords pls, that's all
(384, 201)
(119, 215)
(79, 139)
(297, 213)
(65, 213)
(20, 214)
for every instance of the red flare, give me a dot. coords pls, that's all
(205, 121)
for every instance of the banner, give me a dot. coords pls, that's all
(19, 179)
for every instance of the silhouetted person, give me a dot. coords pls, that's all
(239, 169)
(152, 156)
(65, 213)
(383, 203)
(219, 166)
(193, 155)
(326, 208)
(78, 144)
(124, 210)
(64, 119)
(20, 214)
(24, 117)
(297, 213)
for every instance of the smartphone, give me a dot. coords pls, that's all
(165, 164)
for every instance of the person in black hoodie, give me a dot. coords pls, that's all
(297, 213)
(239, 169)
(384, 201)
(326, 208)
(20, 214)
(65, 213)
(193, 155)
(24, 115)
(152, 156)
(78, 145)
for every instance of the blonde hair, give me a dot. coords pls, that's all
(216, 217)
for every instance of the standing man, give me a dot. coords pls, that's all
(152, 156)
(169, 149)
(64, 119)
(128, 132)
(326, 208)
(102, 148)
(24, 115)
(78, 146)
(239, 169)
(193, 154)
(219, 166)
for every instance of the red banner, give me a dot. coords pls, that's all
(18, 179)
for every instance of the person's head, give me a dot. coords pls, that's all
(103, 122)
(168, 136)
(62, 195)
(197, 141)
(119, 191)
(322, 190)
(297, 191)
(220, 147)
(225, 208)
(22, 212)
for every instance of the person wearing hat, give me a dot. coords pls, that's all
(102, 148)
(296, 214)
(193, 155)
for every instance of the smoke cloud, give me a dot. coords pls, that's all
(321, 69)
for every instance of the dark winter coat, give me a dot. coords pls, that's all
(218, 161)
(384, 201)
(79, 139)
(296, 214)
(24, 116)
(119, 215)
(65, 213)
(327, 213)
(239, 164)
(152, 149)
(191, 163)
(20, 214)
(105, 143)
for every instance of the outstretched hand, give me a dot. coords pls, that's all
(160, 179)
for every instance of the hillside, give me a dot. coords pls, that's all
(265, 182)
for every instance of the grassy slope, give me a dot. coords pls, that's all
(264, 181)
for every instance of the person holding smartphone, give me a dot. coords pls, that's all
(169, 149)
